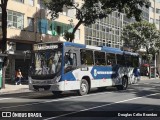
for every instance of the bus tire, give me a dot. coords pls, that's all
(84, 88)
(57, 93)
(124, 84)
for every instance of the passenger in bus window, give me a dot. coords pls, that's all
(67, 61)
(109, 63)
(83, 59)
(97, 62)
(45, 69)
(58, 65)
(53, 66)
(71, 58)
(74, 60)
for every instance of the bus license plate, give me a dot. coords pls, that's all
(41, 89)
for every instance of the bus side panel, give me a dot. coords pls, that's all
(104, 75)
(99, 76)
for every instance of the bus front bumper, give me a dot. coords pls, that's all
(46, 87)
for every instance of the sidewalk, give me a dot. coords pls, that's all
(10, 89)
(144, 78)
(147, 78)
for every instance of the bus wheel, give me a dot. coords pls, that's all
(57, 93)
(124, 84)
(84, 88)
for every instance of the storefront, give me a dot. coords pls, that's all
(18, 60)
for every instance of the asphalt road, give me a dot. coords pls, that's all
(139, 101)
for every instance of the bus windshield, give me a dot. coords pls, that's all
(46, 62)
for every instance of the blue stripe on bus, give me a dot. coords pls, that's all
(103, 72)
(131, 53)
(74, 45)
(68, 76)
(112, 50)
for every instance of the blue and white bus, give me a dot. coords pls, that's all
(65, 66)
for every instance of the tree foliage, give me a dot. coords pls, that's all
(142, 34)
(91, 10)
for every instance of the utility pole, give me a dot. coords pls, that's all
(155, 65)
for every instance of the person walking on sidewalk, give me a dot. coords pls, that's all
(18, 77)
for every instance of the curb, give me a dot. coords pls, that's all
(11, 89)
(22, 90)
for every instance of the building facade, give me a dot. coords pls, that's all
(28, 22)
(154, 13)
(107, 31)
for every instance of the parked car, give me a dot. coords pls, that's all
(144, 69)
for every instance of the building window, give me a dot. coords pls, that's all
(151, 20)
(158, 1)
(31, 2)
(157, 21)
(21, 1)
(30, 24)
(157, 10)
(151, 9)
(15, 19)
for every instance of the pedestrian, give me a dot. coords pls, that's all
(18, 77)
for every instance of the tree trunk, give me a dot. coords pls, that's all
(149, 74)
(4, 38)
(75, 28)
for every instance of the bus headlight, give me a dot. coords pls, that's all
(58, 78)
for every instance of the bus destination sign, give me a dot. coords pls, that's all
(45, 46)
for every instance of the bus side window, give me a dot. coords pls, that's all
(107, 59)
(135, 61)
(120, 59)
(83, 57)
(128, 60)
(89, 57)
(86, 57)
(111, 59)
(99, 58)
(70, 59)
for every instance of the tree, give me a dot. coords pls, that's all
(3, 42)
(90, 10)
(142, 34)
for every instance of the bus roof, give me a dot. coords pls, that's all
(102, 48)
(131, 53)
(74, 44)
(112, 50)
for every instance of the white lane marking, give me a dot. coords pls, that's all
(5, 98)
(36, 103)
(135, 84)
(146, 83)
(63, 115)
